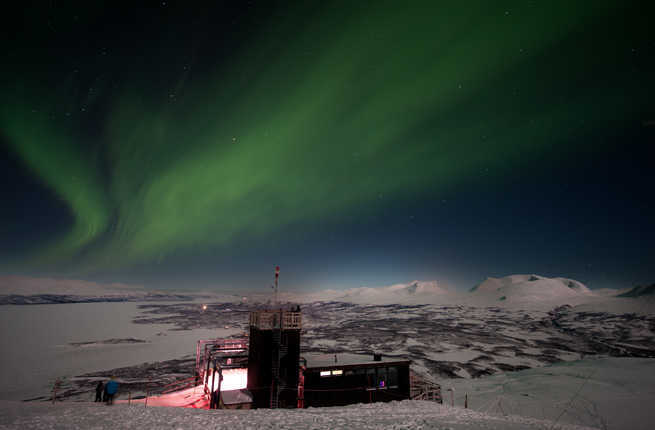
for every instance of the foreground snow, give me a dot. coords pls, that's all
(396, 415)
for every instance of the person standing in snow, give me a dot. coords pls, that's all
(111, 388)
(100, 388)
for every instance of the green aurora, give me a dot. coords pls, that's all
(322, 114)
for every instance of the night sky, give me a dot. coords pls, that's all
(182, 145)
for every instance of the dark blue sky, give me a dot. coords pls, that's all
(545, 165)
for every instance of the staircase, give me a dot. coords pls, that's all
(284, 350)
(276, 354)
(424, 389)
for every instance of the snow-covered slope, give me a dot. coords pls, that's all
(531, 289)
(604, 392)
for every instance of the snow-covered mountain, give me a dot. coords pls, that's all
(415, 292)
(639, 291)
(28, 286)
(25, 290)
(532, 289)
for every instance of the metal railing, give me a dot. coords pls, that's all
(178, 385)
(268, 320)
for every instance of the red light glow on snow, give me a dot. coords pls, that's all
(233, 379)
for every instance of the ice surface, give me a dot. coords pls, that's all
(35, 343)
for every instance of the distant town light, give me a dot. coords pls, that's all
(204, 307)
(325, 373)
(337, 372)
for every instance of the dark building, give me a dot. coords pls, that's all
(343, 379)
(273, 358)
(278, 377)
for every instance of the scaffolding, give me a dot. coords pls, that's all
(215, 355)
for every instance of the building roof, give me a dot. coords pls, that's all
(347, 359)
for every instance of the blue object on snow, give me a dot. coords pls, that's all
(112, 387)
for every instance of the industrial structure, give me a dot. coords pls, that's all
(273, 357)
(267, 370)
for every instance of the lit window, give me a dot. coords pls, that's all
(325, 373)
(337, 372)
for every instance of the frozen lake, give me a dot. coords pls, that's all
(35, 343)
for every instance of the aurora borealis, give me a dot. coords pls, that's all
(349, 142)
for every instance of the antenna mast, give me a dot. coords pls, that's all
(277, 275)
